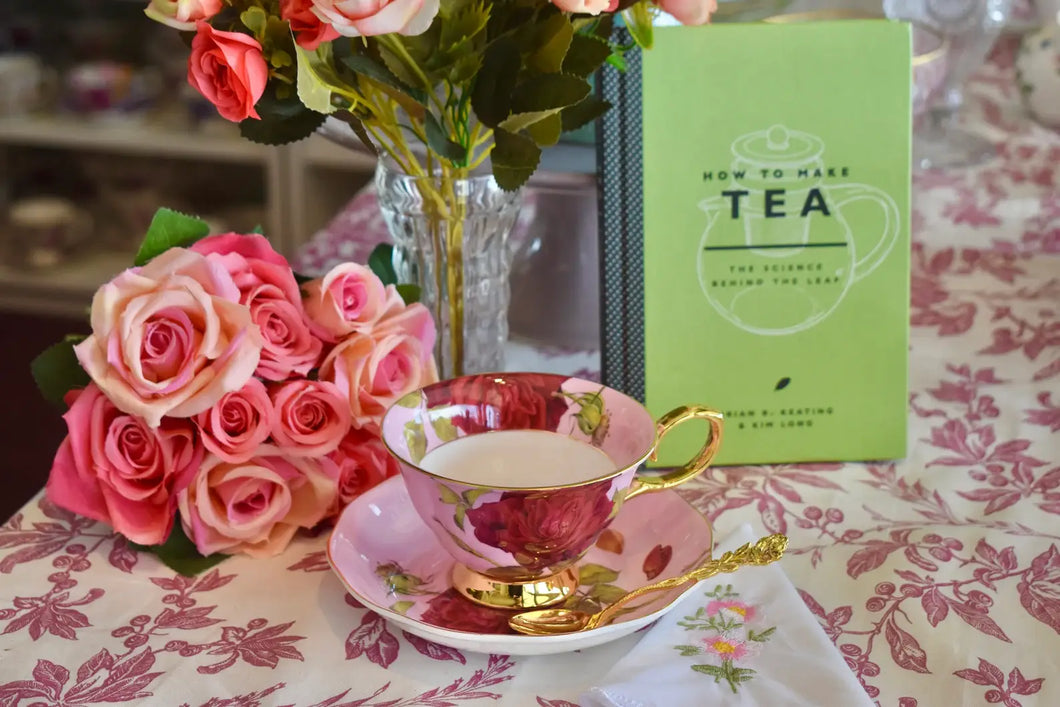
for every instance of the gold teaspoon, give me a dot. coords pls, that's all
(550, 622)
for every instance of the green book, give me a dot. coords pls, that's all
(776, 237)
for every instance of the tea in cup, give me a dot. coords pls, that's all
(518, 474)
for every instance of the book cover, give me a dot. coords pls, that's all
(776, 187)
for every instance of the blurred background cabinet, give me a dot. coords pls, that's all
(98, 128)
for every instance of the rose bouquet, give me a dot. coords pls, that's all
(221, 402)
(462, 80)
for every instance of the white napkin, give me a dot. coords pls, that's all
(739, 639)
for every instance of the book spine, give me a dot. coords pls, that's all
(620, 170)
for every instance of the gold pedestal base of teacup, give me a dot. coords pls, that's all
(500, 594)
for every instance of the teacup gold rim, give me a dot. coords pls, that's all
(604, 477)
(708, 551)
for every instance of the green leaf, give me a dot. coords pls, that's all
(411, 400)
(402, 607)
(364, 65)
(607, 593)
(549, 92)
(254, 19)
(556, 33)
(586, 55)
(458, 516)
(179, 553)
(57, 372)
(423, 49)
(521, 121)
(709, 670)
(546, 132)
(170, 229)
(282, 121)
(462, 26)
(416, 440)
(689, 650)
(605, 23)
(638, 21)
(358, 129)
(583, 113)
(448, 495)
(381, 261)
(618, 61)
(491, 96)
(318, 80)
(465, 68)
(279, 59)
(471, 495)
(761, 637)
(590, 573)
(444, 428)
(441, 144)
(514, 157)
(409, 293)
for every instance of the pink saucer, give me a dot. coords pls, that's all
(392, 563)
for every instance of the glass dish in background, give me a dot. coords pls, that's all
(929, 67)
(44, 231)
(971, 27)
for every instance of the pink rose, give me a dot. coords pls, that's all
(689, 12)
(586, 7)
(170, 338)
(309, 30)
(363, 462)
(376, 369)
(252, 246)
(367, 18)
(311, 417)
(268, 289)
(228, 69)
(113, 468)
(182, 14)
(239, 422)
(348, 298)
(255, 507)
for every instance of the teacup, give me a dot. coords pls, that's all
(518, 474)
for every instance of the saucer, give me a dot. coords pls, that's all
(392, 563)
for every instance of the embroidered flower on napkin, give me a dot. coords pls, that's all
(724, 634)
(742, 640)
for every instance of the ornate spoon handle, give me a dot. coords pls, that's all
(766, 550)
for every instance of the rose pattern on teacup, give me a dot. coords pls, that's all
(542, 531)
(518, 534)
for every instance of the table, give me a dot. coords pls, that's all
(938, 576)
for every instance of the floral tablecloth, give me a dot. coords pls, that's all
(937, 576)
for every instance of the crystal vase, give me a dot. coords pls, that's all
(451, 238)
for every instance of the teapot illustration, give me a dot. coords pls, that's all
(778, 255)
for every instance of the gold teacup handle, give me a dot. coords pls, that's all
(645, 484)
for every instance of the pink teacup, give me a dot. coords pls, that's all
(518, 474)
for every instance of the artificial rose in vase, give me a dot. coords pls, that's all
(457, 97)
(194, 410)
